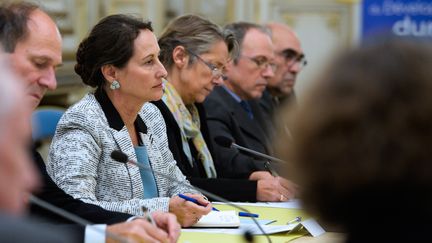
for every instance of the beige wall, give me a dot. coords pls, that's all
(323, 26)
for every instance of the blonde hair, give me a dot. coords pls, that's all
(195, 34)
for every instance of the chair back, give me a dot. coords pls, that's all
(44, 122)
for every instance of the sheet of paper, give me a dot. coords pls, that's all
(219, 219)
(291, 204)
(269, 229)
(260, 221)
(309, 225)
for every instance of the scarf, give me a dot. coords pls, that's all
(187, 118)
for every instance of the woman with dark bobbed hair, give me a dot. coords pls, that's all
(120, 59)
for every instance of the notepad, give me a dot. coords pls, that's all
(219, 219)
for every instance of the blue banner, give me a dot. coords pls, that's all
(411, 18)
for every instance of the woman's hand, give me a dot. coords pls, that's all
(189, 213)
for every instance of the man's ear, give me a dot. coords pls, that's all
(180, 56)
(109, 72)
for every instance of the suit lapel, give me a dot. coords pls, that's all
(263, 123)
(124, 142)
(251, 127)
(266, 103)
(125, 145)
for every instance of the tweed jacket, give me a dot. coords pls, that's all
(51, 193)
(79, 159)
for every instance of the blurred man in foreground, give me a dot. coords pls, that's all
(18, 177)
(361, 152)
(32, 43)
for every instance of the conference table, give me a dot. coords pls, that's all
(281, 215)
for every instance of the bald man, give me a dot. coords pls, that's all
(289, 60)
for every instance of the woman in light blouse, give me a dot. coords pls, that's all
(120, 59)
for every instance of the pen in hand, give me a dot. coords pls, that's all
(147, 215)
(191, 199)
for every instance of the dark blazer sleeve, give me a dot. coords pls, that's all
(51, 193)
(230, 189)
(236, 190)
(223, 114)
(27, 229)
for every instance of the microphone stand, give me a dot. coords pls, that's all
(229, 143)
(72, 217)
(255, 153)
(123, 158)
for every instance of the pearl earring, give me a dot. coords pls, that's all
(115, 85)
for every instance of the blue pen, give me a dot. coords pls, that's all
(245, 214)
(191, 199)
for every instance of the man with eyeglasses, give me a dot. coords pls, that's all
(233, 111)
(289, 60)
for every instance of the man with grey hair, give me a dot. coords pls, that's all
(32, 43)
(233, 111)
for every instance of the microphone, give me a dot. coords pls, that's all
(121, 157)
(73, 218)
(228, 143)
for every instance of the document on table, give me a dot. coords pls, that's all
(260, 221)
(219, 219)
(309, 225)
(269, 229)
(291, 204)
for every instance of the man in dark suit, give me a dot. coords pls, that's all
(32, 44)
(289, 60)
(233, 111)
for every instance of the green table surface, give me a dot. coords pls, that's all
(281, 215)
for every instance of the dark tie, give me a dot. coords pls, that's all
(247, 108)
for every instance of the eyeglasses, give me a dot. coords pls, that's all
(262, 62)
(291, 57)
(216, 72)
